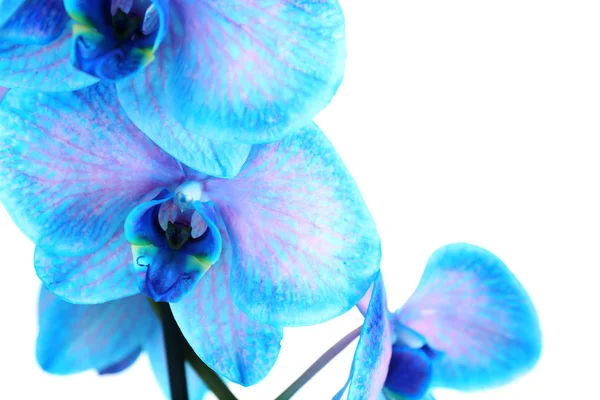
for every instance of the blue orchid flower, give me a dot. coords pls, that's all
(106, 337)
(470, 325)
(203, 79)
(290, 239)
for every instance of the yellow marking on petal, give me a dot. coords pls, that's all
(147, 55)
(81, 18)
(88, 31)
(137, 243)
(203, 264)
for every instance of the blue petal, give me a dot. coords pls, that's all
(469, 306)
(3, 92)
(34, 22)
(363, 303)
(158, 360)
(305, 247)
(35, 47)
(7, 8)
(104, 275)
(144, 100)
(75, 337)
(251, 72)
(123, 364)
(374, 349)
(72, 167)
(236, 347)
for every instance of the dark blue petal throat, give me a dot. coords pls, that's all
(114, 39)
(409, 373)
(173, 243)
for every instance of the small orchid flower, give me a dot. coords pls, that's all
(203, 79)
(470, 325)
(106, 337)
(290, 239)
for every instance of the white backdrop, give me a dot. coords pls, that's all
(461, 121)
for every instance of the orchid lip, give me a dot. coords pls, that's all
(172, 249)
(167, 294)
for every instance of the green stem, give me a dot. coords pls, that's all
(210, 378)
(319, 364)
(174, 350)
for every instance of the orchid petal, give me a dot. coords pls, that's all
(123, 364)
(34, 22)
(235, 346)
(158, 360)
(469, 306)
(72, 167)
(363, 304)
(251, 72)
(35, 47)
(8, 8)
(143, 98)
(374, 349)
(75, 337)
(305, 247)
(104, 275)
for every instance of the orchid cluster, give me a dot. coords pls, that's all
(163, 152)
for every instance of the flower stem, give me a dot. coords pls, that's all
(175, 353)
(319, 364)
(210, 378)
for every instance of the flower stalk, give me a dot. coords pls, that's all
(319, 364)
(177, 346)
(174, 350)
